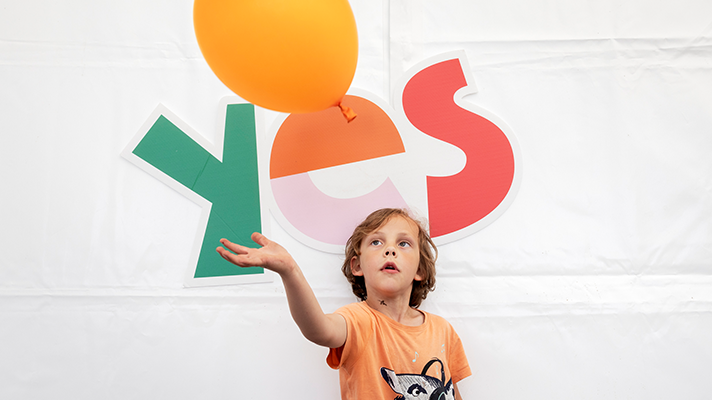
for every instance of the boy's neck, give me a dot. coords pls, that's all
(397, 310)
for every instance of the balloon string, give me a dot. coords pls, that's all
(349, 114)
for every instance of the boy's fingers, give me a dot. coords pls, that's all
(239, 249)
(236, 248)
(240, 260)
(222, 252)
(226, 254)
(241, 255)
(260, 239)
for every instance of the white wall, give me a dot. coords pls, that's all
(595, 284)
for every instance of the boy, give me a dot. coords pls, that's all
(383, 345)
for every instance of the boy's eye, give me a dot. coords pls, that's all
(375, 242)
(404, 244)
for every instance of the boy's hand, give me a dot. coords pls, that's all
(271, 255)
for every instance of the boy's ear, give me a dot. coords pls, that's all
(419, 276)
(356, 266)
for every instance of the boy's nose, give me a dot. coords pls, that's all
(391, 252)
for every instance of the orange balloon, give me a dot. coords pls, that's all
(293, 56)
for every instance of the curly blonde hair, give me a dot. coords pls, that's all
(426, 247)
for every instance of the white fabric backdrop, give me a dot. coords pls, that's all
(595, 284)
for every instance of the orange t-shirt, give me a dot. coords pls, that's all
(383, 359)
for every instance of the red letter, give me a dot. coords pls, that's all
(458, 201)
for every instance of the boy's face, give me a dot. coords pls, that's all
(389, 259)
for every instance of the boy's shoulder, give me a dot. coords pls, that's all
(436, 319)
(355, 308)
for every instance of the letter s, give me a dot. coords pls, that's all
(461, 200)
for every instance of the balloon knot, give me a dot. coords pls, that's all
(349, 114)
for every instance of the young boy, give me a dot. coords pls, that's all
(384, 345)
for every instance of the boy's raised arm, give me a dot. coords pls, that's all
(327, 330)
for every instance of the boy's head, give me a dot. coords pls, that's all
(426, 247)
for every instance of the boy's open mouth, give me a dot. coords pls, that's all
(389, 266)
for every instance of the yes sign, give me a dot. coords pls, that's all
(447, 160)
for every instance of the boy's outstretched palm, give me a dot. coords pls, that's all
(270, 255)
